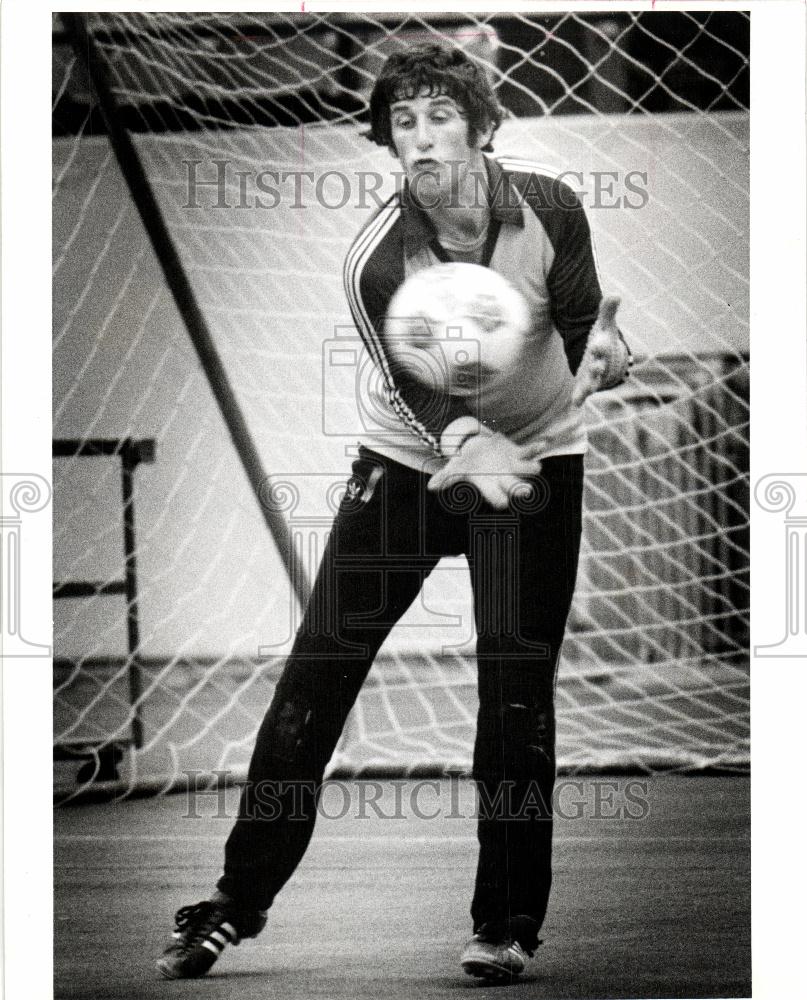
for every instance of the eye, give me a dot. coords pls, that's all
(419, 333)
(402, 121)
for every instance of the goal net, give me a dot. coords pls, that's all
(249, 130)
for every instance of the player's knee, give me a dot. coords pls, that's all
(291, 731)
(537, 646)
(531, 738)
(521, 746)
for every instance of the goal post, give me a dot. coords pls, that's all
(248, 129)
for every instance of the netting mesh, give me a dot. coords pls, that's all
(249, 130)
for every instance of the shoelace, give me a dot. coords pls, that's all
(490, 937)
(195, 922)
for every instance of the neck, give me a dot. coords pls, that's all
(466, 213)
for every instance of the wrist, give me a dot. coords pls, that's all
(457, 433)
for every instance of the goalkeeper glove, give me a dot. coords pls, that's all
(491, 462)
(607, 360)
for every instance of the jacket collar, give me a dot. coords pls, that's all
(503, 198)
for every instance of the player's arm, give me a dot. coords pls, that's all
(475, 453)
(423, 410)
(596, 351)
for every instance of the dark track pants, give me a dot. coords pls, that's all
(384, 542)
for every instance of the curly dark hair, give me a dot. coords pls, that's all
(438, 69)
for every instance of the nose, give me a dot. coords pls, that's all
(423, 137)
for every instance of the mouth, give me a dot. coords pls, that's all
(471, 377)
(466, 379)
(426, 163)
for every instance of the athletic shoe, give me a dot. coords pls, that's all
(201, 934)
(489, 957)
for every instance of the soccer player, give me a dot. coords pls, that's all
(519, 456)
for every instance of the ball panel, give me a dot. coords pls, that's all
(468, 319)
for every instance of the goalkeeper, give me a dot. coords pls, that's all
(433, 472)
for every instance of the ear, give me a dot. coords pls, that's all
(484, 137)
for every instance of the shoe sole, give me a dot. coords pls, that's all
(489, 970)
(167, 972)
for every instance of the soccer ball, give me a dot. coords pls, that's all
(457, 327)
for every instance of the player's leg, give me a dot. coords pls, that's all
(372, 570)
(527, 566)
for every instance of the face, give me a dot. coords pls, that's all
(430, 138)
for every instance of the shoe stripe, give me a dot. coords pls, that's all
(229, 930)
(212, 946)
(221, 939)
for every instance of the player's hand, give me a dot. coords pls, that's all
(493, 464)
(607, 360)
